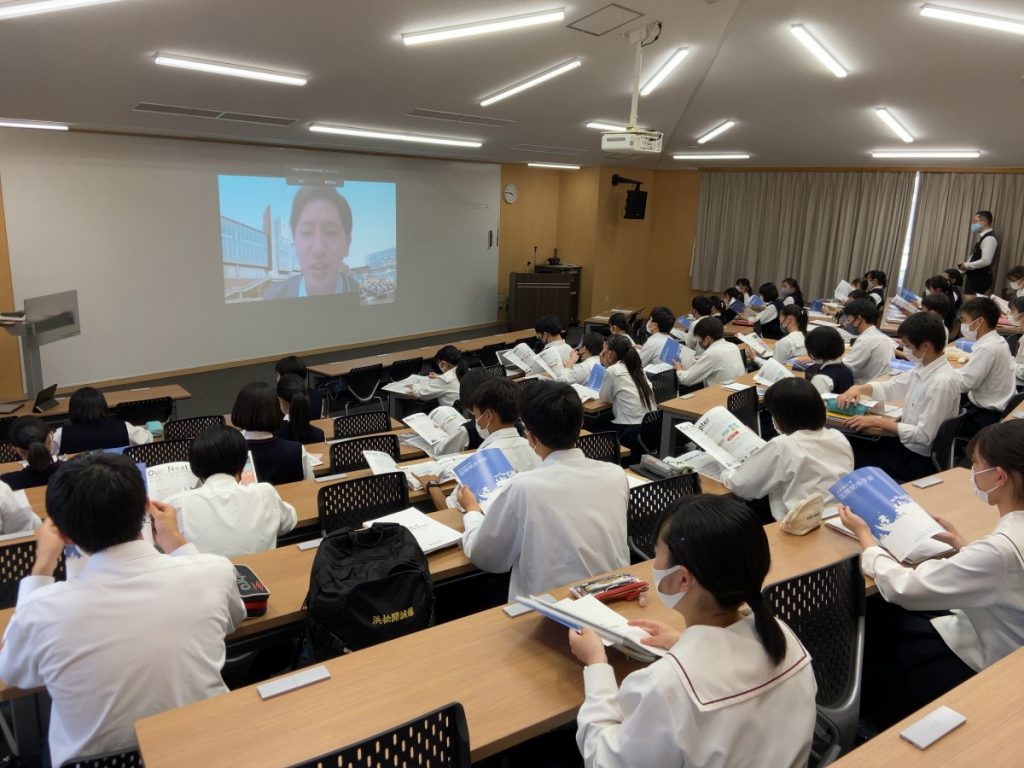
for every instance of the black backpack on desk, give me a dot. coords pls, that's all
(367, 585)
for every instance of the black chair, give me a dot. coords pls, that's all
(649, 438)
(825, 609)
(664, 385)
(1012, 341)
(496, 370)
(361, 385)
(16, 561)
(944, 444)
(489, 354)
(189, 429)
(348, 454)
(351, 503)
(164, 452)
(128, 759)
(1011, 406)
(600, 446)
(5, 425)
(7, 453)
(438, 739)
(647, 503)
(743, 405)
(403, 369)
(358, 424)
(139, 412)
(529, 341)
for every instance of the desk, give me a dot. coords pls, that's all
(691, 408)
(890, 328)
(173, 391)
(601, 319)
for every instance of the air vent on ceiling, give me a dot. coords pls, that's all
(458, 117)
(167, 109)
(241, 117)
(212, 114)
(604, 20)
(548, 150)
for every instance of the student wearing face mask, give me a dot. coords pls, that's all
(1015, 281)
(549, 334)
(618, 325)
(987, 381)
(766, 322)
(930, 394)
(443, 387)
(828, 373)
(702, 307)
(791, 293)
(959, 614)
(876, 285)
(720, 361)
(736, 687)
(745, 289)
(793, 323)
(1017, 313)
(983, 255)
(627, 388)
(583, 360)
(956, 285)
(734, 305)
(659, 324)
(871, 352)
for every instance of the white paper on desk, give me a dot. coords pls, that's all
(317, 460)
(659, 367)
(596, 613)
(428, 532)
(585, 393)
(635, 480)
(736, 386)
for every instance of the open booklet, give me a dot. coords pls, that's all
(405, 386)
(1003, 304)
(381, 463)
(756, 344)
(901, 301)
(899, 523)
(726, 439)
(771, 372)
(590, 613)
(485, 473)
(547, 363)
(591, 390)
(670, 353)
(165, 480)
(428, 532)
(433, 428)
(843, 290)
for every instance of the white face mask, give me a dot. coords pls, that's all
(652, 327)
(983, 495)
(914, 355)
(1015, 285)
(482, 431)
(969, 333)
(670, 601)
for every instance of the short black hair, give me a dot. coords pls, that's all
(709, 326)
(256, 408)
(795, 404)
(701, 305)
(745, 282)
(87, 405)
(877, 275)
(857, 293)
(552, 412)
(865, 309)
(922, 327)
(291, 364)
(768, 292)
(307, 195)
(618, 320)
(499, 395)
(663, 318)
(940, 303)
(98, 500)
(449, 353)
(468, 384)
(938, 283)
(218, 450)
(824, 343)
(593, 343)
(29, 433)
(860, 284)
(733, 294)
(1016, 273)
(986, 216)
(983, 307)
(548, 324)
(1017, 305)
(792, 310)
(954, 275)
(716, 303)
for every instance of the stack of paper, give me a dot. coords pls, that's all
(428, 532)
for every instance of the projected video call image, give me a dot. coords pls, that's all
(285, 238)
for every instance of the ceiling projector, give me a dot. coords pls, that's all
(632, 142)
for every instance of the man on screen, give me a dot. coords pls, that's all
(322, 230)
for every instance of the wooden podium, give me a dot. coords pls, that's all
(532, 295)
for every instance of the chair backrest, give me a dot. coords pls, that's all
(648, 502)
(5, 425)
(944, 443)
(138, 412)
(348, 454)
(129, 759)
(361, 424)
(489, 354)
(438, 739)
(363, 382)
(743, 405)
(16, 561)
(1012, 341)
(164, 452)
(650, 432)
(601, 446)
(7, 453)
(1013, 403)
(189, 429)
(350, 503)
(403, 369)
(529, 341)
(664, 385)
(496, 370)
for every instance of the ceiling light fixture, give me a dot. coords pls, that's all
(716, 131)
(821, 53)
(16, 10)
(412, 138)
(895, 126)
(597, 125)
(42, 125)
(232, 70)
(559, 166)
(973, 19)
(884, 154)
(543, 77)
(665, 71)
(712, 156)
(483, 27)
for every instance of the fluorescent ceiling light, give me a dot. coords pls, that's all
(923, 154)
(412, 138)
(543, 77)
(560, 166)
(597, 125)
(16, 10)
(665, 71)
(712, 156)
(820, 52)
(484, 27)
(39, 124)
(894, 125)
(973, 19)
(219, 68)
(716, 131)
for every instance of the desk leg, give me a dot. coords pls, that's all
(31, 715)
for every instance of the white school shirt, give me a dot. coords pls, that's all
(562, 347)
(223, 517)
(988, 378)
(823, 383)
(714, 701)
(983, 585)
(580, 373)
(445, 388)
(651, 350)
(767, 314)
(1018, 364)
(988, 251)
(869, 356)
(720, 362)
(307, 458)
(618, 389)
(15, 516)
(930, 395)
(1020, 291)
(789, 468)
(516, 449)
(136, 633)
(562, 522)
(136, 436)
(790, 345)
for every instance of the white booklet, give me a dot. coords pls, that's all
(700, 462)
(771, 372)
(404, 387)
(428, 532)
(756, 343)
(381, 463)
(165, 480)
(437, 426)
(725, 438)
(843, 290)
(528, 361)
(901, 303)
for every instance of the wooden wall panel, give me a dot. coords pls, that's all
(577, 220)
(10, 357)
(673, 211)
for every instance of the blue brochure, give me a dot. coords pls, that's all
(596, 378)
(669, 352)
(484, 473)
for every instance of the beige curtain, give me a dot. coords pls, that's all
(819, 227)
(942, 237)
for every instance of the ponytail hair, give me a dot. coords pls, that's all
(723, 545)
(292, 389)
(621, 347)
(792, 310)
(29, 433)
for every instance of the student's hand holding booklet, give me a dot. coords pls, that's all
(660, 634)
(49, 547)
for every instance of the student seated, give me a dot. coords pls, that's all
(495, 411)
(618, 325)
(804, 459)
(296, 365)
(293, 398)
(627, 388)
(859, 284)
(549, 333)
(1017, 314)
(828, 373)
(956, 615)
(444, 386)
(465, 438)
(766, 322)
(930, 394)
(1015, 281)
(92, 429)
(876, 285)
(871, 350)
(734, 305)
(793, 324)
(702, 307)
(659, 325)
(583, 360)
(256, 412)
(15, 516)
(987, 381)
(746, 290)
(33, 442)
(137, 632)
(940, 305)
(562, 522)
(221, 516)
(956, 282)
(791, 293)
(737, 688)
(720, 361)
(717, 306)
(937, 285)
